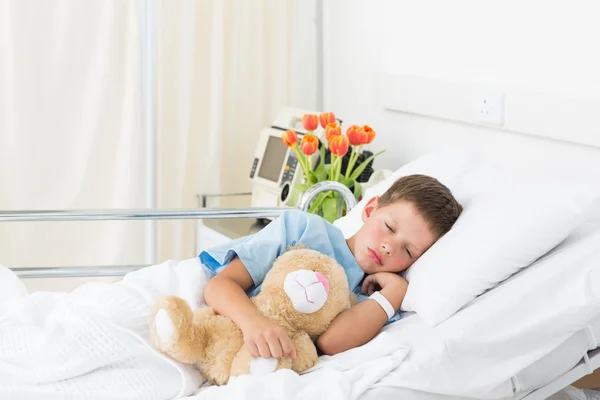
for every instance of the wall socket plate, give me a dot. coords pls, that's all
(490, 108)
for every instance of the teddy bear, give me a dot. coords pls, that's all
(302, 292)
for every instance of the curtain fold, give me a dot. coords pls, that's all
(70, 135)
(223, 74)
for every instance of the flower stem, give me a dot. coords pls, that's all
(332, 170)
(300, 158)
(353, 158)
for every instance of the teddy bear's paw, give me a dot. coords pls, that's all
(172, 316)
(261, 366)
(163, 327)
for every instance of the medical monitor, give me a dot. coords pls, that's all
(273, 159)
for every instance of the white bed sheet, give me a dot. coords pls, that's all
(548, 368)
(513, 339)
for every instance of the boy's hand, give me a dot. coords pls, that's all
(264, 338)
(383, 280)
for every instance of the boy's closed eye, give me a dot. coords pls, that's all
(390, 227)
(406, 249)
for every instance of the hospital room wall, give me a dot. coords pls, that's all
(536, 49)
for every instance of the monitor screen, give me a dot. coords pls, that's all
(272, 160)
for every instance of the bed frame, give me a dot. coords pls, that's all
(587, 365)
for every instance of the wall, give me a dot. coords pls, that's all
(537, 49)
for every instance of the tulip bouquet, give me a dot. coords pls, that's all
(329, 204)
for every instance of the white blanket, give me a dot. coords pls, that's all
(93, 343)
(345, 376)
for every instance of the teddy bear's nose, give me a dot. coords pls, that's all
(323, 280)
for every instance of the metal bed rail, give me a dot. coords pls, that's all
(114, 215)
(150, 214)
(140, 214)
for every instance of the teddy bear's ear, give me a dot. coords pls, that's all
(352, 299)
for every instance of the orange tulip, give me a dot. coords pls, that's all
(309, 145)
(339, 145)
(310, 122)
(369, 134)
(355, 135)
(327, 118)
(332, 129)
(290, 138)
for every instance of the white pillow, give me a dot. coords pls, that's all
(502, 231)
(506, 224)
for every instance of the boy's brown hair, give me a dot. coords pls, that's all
(432, 199)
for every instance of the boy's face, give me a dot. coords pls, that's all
(391, 238)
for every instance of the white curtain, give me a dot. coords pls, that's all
(70, 134)
(224, 71)
(70, 115)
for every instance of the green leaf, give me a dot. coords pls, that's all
(330, 211)
(322, 158)
(301, 187)
(312, 178)
(357, 190)
(349, 183)
(320, 172)
(317, 202)
(363, 165)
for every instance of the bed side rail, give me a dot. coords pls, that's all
(113, 215)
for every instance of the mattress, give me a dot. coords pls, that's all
(519, 336)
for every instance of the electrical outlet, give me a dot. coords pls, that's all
(491, 108)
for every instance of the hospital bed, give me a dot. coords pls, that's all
(571, 360)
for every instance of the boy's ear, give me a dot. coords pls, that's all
(369, 207)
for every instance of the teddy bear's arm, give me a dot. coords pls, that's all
(306, 352)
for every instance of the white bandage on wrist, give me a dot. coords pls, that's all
(384, 303)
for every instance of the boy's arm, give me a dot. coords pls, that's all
(361, 322)
(225, 293)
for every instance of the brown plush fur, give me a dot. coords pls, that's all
(215, 344)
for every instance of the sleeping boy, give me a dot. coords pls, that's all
(397, 229)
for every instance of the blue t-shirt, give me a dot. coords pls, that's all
(259, 251)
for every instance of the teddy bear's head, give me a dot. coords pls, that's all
(306, 288)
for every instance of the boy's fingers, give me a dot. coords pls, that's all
(252, 349)
(288, 348)
(365, 284)
(263, 349)
(275, 349)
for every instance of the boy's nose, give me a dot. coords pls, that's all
(386, 248)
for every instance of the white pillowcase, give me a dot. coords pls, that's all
(505, 226)
(498, 234)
